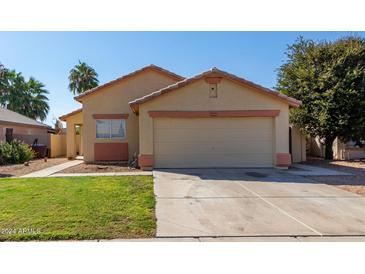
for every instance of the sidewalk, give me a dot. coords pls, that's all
(236, 239)
(53, 169)
(307, 170)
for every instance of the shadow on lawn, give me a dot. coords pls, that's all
(5, 175)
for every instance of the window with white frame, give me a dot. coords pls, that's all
(110, 128)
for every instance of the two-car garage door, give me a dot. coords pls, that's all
(213, 142)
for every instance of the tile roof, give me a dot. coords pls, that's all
(9, 116)
(150, 67)
(63, 117)
(214, 72)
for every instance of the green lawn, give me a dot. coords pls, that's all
(77, 208)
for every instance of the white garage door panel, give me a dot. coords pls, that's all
(213, 147)
(213, 142)
(192, 135)
(225, 160)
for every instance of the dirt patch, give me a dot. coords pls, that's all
(351, 166)
(99, 168)
(34, 165)
(355, 183)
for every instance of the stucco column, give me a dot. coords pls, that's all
(145, 157)
(281, 128)
(70, 136)
(81, 140)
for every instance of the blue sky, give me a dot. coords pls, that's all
(48, 56)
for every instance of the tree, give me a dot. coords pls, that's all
(329, 79)
(25, 97)
(82, 78)
(3, 81)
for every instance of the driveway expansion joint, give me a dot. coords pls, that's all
(228, 202)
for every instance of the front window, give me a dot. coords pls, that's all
(110, 128)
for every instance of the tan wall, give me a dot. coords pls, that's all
(298, 145)
(316, 148)
(78, 144)
(71, 121)
(27, 134)
(195, 97)
(115, 100)
(58, 145)
(341, 151)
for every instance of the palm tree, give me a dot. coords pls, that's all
(25, 97)
(38, 105)
(82, 77)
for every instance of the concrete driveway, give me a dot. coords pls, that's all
(252, 202)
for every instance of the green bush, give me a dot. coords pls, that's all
(15, 152)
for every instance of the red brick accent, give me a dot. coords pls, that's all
(213, 80)
(110, 116)
(283, 159)
(145, 161)
(111, 151)
(221, 113)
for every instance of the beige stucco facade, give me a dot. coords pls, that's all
(175, 122)
(299, 145)
(58, 145)
(115, 100)
(195, 97)
(72, 120)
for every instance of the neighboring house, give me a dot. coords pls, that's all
(23, 128)
(341, 150)
(213, 119)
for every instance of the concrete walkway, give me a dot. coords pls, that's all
(53, 169)
(307, 170)
(130, 173)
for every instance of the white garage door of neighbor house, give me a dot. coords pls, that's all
(213, 142)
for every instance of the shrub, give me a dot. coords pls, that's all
(15, 152)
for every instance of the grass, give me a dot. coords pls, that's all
(77, 208)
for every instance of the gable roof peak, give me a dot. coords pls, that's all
(215, 72)
(153, 67)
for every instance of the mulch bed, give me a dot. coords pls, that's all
(34, 165)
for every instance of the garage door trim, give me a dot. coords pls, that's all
(171, 152)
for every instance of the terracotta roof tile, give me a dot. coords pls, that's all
(150, 67)
(63, 117)
(214, 72)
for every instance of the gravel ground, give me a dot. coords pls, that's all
(92, 168)
(21, 169)
(355, 183)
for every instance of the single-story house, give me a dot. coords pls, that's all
(213, 119)
(16, 126)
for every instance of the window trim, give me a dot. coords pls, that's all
(110, 129)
